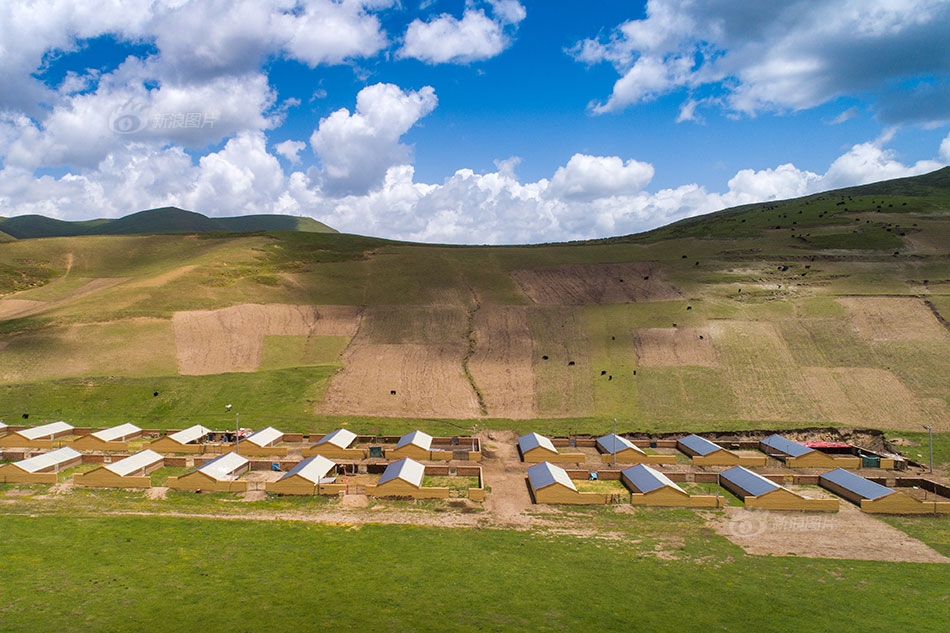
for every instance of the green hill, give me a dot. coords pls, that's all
(828, 310)
(156, 221)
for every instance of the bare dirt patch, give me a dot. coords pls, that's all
(847, 534)
(232, 339)
(872, 397)
(675, 347)
(586, 284)
(502, 363)
(893, 319)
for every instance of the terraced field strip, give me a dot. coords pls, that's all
(405, 361)
(563, 369)
(232, 339)
(132, 347)
(874, 397)
(502, 363)
(894, 319)
(762, 372)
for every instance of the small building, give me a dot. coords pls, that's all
(219, 475)
(41, 469)
(614, 448)
(404, 479)
(759, 492)
(39, 436)
(535, 448)
(551, 484)
(111, 439)
(416, 445)
(131, 472)
(309, 477)
(263, 443)
(184, 441)
(650, 487)
(797, 455)
(336, 445)
(875, 498)
(707, 453)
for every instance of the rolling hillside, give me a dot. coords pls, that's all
(826, 310)
(156, 221)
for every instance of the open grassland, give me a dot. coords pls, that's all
(114, 573)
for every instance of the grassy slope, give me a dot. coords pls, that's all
(769, 295)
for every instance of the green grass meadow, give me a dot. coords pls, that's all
(122, 573)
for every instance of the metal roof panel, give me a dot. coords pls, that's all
(313, 469)
(787, 446)
(224, 467)
(117, 433)
(699, 445)
(265, 437)
(48, 460)
(646, 479)
(754, 484)
(533, 440)
(864, 488)
(134, 463)
(47, 430)
(341, 438)
(545, 474)
(611, 444)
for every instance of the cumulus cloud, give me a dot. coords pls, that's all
(587, 197)
(290, 150)
(474, 37)
(592, 177)
(765, 56)
(356, 149)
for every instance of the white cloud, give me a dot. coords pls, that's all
(357, 149)
(765, 56)
(475, 37)
(945, 150)
(588, 197)
(592, 177)
(79, 131)
(327, 32)
(290, 150)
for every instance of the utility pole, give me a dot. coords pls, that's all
(930, 430)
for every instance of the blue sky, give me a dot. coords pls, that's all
(464, 121)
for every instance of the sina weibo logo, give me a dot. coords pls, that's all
(128, 119)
